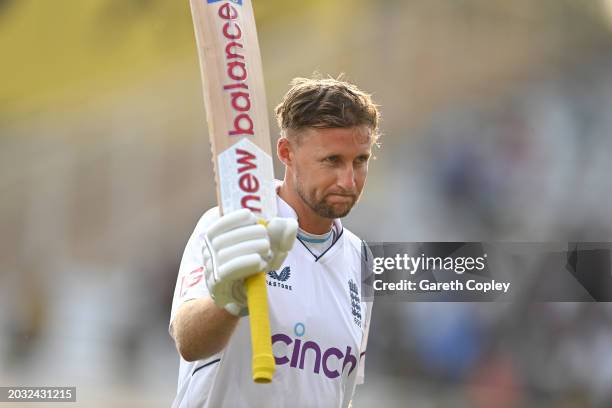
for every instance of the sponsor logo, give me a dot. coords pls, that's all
(236, 81)
(300, 354)
(244, 169)
(190, 280)
(238, 2)
(284, 275)
(355, 302)
(279, 279)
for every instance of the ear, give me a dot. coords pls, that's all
(284, 151)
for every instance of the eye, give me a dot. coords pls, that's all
(333, 159)
(363, 159)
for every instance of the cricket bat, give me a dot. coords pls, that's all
(236, 111)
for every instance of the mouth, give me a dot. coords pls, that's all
(341, 197)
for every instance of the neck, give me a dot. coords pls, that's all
(308, 220)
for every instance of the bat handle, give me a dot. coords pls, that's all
(261, 341)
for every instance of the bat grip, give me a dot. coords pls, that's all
(261, 341)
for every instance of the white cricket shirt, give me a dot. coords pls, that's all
(319, 326)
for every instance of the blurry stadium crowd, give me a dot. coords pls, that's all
(98, 202)
(533, 166)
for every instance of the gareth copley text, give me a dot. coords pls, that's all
(426, 285)
(455, 264)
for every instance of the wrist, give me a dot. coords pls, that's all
(236, 310)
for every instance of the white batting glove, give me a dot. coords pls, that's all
(238, 247)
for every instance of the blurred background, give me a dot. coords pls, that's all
(496, 123)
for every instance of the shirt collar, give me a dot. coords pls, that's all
(284, 209)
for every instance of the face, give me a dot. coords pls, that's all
(328, 168)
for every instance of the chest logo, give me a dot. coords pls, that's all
(355, 302)
(283, 276)
(276, 279)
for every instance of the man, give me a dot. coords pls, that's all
(318, 320)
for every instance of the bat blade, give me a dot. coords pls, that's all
(236, 112)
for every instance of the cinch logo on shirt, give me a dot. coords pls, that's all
(333, 361)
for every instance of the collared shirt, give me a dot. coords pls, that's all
(319, 325)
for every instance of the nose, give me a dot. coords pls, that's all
(346, 178)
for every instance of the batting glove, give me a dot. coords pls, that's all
(236, 247)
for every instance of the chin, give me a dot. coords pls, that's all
(341, 213)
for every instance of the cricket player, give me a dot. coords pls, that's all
(319, 321)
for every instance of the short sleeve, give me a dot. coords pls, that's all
(191, 283)
(364, 344)
(367, 296)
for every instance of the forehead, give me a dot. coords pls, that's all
(356, 139)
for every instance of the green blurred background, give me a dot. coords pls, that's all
(496, 126)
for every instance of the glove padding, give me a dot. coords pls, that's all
(237, 246)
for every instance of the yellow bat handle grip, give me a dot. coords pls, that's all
(261, 341)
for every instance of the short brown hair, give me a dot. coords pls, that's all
(326, 103)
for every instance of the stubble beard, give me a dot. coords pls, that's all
(321, 207)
